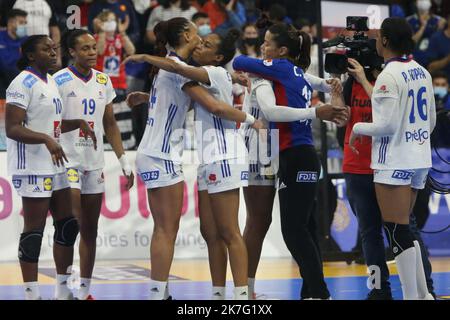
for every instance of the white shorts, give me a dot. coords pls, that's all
(222, 176)
(88, 182)
(39, 186)
(156, 172)
(258, 177)
(416, 178)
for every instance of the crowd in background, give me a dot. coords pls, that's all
(125, 27)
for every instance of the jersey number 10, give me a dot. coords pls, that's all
(421, 105)
(89, 106)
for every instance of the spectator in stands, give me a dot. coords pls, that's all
(424, 25)
(113, 45)
(202, 22)
(10, 41)
(439, 51)
(277, 13)
(225, 14)
(250, 44)
(167, 10)
(441, 92)
(41, 19)
(122, 9)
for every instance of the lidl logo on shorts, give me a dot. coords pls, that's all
(306, 176)
(72, 175)
(101, 78)
(150, 175)
(402, 174)
(17, 183)
(48, 184)
(244, 175)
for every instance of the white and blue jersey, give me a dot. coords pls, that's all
(168, 105)
(38, 95)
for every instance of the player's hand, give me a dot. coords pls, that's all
(356, 70)
(329, 112)
(424, 19)
(98, 25)
(137, 98)
(353, 138)
(242, 79)
(88, 132)
(335, 84)
(230, 5)
(57, 152)
(258, 124)
(135, 58)
(130, 179)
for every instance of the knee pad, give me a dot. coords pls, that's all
(66, 231)
(30, 246)
(399, 236)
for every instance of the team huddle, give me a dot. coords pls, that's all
(55, 124)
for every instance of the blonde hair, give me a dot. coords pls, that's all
(103, 16)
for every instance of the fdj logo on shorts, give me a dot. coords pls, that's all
(17, 183)
(307, 176)
(48, 184)
(402, 175)
(244, 175)
(417, 135)
(150, 175)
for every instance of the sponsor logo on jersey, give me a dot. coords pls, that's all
(56, 128)
(101, 78)
(244, 175)
(91, 125)
(29, 81)
(48, 184)
(100, 95)
(17, 183)
(73, 175)
(268, 62)
(383, 89)
(150, 175)
(306, 176)
(14, 95)
(42, 96)
(212, 177)
(72, 95)
(417, 135)
(63, 78)
(402, 174)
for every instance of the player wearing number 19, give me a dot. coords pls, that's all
(87, 94)
(404, 115)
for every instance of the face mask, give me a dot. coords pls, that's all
(441, 92)
(423, 5)
(110, 26)
(21, 31)
(251, 41)
(204, 30)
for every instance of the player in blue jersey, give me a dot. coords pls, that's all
(287, 54)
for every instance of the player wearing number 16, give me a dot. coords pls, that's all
(87, 94)
(404, 115)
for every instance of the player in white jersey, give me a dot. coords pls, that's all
(36, 162)
(159, 154)
(87, 94)
(404, 116)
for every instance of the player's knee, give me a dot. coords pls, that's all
(88, 232)
(399, 236)
(66, 231)
(30, 246)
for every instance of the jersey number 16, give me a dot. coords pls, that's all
(421, 105)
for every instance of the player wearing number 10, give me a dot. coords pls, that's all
(404, 116)
(87, 94)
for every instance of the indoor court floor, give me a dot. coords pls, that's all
(190, 280)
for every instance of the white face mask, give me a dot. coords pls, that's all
(109, 26)
(423, 5)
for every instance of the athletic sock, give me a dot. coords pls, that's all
(62, 291)
(241, 293)
(422, 288)
(406, 262)
(157, 289)
(32, 290)
(251, 288)
(85, 286)
(218, 293)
